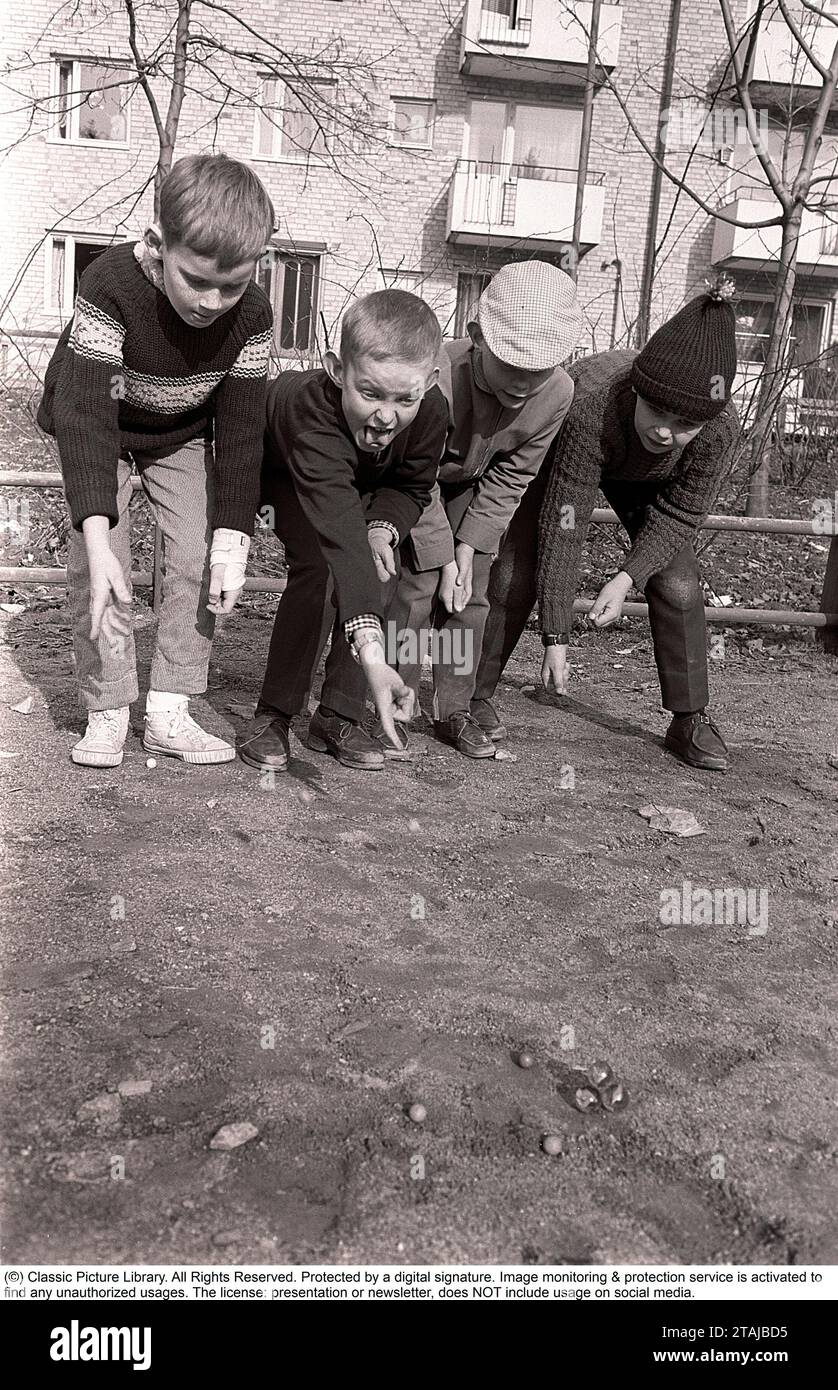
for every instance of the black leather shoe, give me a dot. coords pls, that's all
(484, 713)
(389, 750)
(464, 734)
(695, 739)
(331, 733)
(263, 742)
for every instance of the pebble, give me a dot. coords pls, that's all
(503, 755)
(614, 1097)
(413, 824)
(233, 1136)
(525, 1060)
(600, 1074)
(151, 762)
(527, 689)
(552, 1144)
(586, 1099)
(418, 1114)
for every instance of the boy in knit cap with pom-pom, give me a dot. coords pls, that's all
(656, 431)
(507, 395)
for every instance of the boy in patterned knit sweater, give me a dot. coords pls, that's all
(656, 431)
(164, 365)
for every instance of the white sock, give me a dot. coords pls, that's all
(164, 702)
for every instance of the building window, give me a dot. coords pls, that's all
(292, 283)
(67, 259)
(534, 142)
(92, 101)
(470, 286)
(291, 128)
(410, 280)
(411, 123)
(805, 340)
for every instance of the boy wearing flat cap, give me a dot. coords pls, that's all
(656, 431)
(507, 396)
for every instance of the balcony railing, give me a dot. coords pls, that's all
(514, 27)
(491, 191)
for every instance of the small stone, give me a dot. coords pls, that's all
(233, 1136)
(525, 1060)
(134, 1088)
(527, 689)
(614, 1097)
(586, 1099)
(151, 762)
(552, 1144)
(504, 755)
(413, 824)
(418, 1113)
(600, 1074)
(25, 706)
(212, 803)
(306, 795)
(104, 1112)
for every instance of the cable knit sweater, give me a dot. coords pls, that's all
(129, 374)
(599, 441)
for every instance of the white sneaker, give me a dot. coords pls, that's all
(175, 733)
(104, 738)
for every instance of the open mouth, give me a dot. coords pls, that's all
(375, 436)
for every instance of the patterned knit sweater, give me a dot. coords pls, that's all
(599, 441)
(128, 374)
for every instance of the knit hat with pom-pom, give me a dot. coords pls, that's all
(688, 366)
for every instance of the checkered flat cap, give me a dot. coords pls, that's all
(529, 315)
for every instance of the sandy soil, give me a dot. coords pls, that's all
(315, 957)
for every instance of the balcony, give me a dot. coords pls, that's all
(537, 40)
(780, 63)
(755, 248)
(520, 205)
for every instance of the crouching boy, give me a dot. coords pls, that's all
(163, 365)
(507, 397)
(351, 454)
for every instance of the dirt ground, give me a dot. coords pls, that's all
(314, 957)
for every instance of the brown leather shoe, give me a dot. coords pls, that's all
(484, 713)
(263, 742)
(331, 733)
(696, 740)
(464, 734)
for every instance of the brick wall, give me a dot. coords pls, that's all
(382, 204)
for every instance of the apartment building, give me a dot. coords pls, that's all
(422, 143)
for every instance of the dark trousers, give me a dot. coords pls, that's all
(416, 610)
(306, 616)
(676, 603)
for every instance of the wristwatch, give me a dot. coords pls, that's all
(363, 639)
(554, 639)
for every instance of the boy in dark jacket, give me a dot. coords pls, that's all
(351, 454)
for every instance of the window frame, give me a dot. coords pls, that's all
(71, 239)
(812, 301)
(391, 125)
(300, 157)
(507, 159)
(53, 136)
(314, 252)
(391, 276)
(461, 331)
